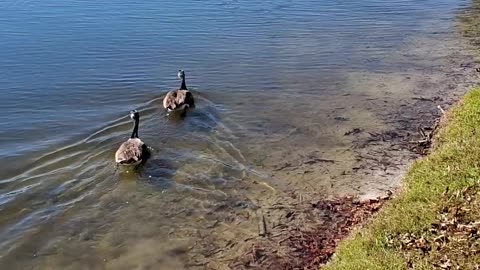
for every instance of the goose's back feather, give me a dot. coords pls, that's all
(178, 99)
(130, 152)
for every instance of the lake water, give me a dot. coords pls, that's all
(272, 79)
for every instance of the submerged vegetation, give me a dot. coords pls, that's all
(469, 23)
(434, 223)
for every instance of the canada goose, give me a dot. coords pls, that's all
(181, 99)
(133, 151)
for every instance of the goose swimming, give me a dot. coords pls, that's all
(133, 151)
(181, 99)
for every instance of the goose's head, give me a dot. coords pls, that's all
(181, 74)
(134, 115)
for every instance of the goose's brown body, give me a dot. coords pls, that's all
(133, 151)
(130, 152)
(181, 99)
(178, 100)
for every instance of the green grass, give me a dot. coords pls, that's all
(434, 187)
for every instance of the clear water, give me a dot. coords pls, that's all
(266, 74)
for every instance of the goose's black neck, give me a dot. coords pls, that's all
(135, 129)
(184, 85)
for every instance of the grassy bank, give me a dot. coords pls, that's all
(434, 223)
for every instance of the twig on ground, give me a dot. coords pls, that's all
(423, 99)
(441, 110)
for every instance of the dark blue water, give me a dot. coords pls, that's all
(70, 71)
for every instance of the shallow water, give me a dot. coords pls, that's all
(275, 81)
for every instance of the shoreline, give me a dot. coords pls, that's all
(297, 240)
(317, 227)
(434, 221)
